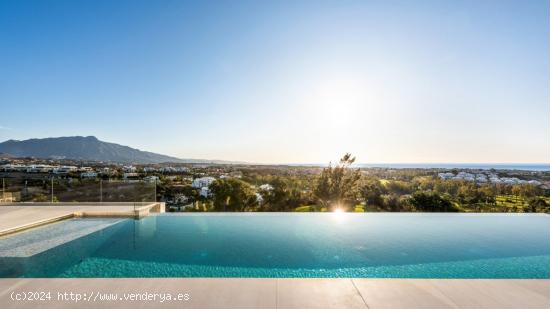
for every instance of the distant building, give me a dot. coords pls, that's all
(106, 171)
(151, 179)
(13, 168)
(88, 175)
(181, 199)
(130, 176)
(177, 169)
(129, 169)
(481, 178)
(148, 169)
(205, 192)
(266, 187)
(39, 168)
(64, 169)
(7, 197)
(202, 182)
(446, 176)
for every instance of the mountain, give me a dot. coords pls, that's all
(87, 148)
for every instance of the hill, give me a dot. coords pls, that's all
(87, 148)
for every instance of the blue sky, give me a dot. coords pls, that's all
(283, 81)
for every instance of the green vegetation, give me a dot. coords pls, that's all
(337, 187)
(232, 195)
(342, 187)
(305, 209)
(432, 202)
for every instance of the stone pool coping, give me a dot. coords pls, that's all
(290, 293)
(19, 217)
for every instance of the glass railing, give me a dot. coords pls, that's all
(73, 190)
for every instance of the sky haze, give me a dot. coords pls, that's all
(283, 81)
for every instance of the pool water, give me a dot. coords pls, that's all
(286, 245)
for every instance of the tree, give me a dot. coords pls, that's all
(40, 197)
(392, 202)
(537, 204)
(488, 192)
(338, 186)
(526, 190)
(372, 192)
(431, 202)
(277, 197)
(399, 187)
(232, 194)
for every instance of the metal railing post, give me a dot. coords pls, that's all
(52, 188)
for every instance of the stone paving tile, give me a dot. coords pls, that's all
(492, 294)
(397, 293)
(318, 293)
(292, 293)
(204, 293)
(541, 287)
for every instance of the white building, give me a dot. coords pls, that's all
(181, 199)
(88, 175)
(171, 169)
(205, 192)
(129, 169)
(466, 176)
(14, 168)
(259, 198)
(266, 187)
(151, 179)
(446, 176)
(202, 182)
(130, 176)
(39, 168)
(481, 178)
(64, 169)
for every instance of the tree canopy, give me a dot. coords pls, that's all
(337, 187)
(232, 194)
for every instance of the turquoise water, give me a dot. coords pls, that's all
(288, 245)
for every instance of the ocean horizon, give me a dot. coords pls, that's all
(539, 167)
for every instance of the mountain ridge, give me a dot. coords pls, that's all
(89, 148)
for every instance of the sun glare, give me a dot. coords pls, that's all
(339, 214)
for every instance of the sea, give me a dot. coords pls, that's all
(485, 166)
(539, 167)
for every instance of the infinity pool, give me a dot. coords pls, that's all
(285, 245)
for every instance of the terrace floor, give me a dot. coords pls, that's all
(14, 218)
(286, 293)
